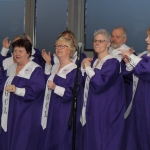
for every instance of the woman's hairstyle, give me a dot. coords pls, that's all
(71, 35)
(23, 43)
(69, 43)
(103, 32)
(17, 37)
(148, 31)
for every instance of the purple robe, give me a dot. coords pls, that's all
(105, 108)
(38, 58)
(138, 134)
(24, 115)
(57, 135)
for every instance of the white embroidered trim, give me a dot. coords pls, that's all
(134, 60)
(90, 72)
(20, 91)
(4, 51)
(5, 103)
(7, 62)
(48, 69)
(59, 90)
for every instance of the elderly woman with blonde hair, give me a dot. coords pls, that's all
(58, 98)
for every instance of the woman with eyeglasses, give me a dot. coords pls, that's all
(104, 104)
(52, 59)
(58, 98)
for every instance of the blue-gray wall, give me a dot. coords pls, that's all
(134, 15)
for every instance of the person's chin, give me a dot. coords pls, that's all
(148, 47)
(114, 46)
(17, 60)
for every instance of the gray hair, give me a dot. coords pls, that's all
(123, 29)
(103, 32)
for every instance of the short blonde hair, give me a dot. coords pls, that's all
(70, 45)
(71, 35)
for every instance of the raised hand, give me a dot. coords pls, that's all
(46, 56)
(6, 43)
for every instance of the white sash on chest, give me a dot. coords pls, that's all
(86, 88)
(62, 73)
(5, 102)
(135, 83)
(26, 73)
(47, 97)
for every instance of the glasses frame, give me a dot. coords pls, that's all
(99, 41)
(60, 46)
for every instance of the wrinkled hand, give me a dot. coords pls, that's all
(126, 54)
(6, 43)
(86, 62)
(51, 85)
(11, 88)
(46, 56)
(131, 50)
(125, 59)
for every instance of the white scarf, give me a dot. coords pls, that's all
(62, 73)
(86, 88)
(25, 73)
(135, 83)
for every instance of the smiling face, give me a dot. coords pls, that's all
(100, 43)
(20, 55)
(62, 49)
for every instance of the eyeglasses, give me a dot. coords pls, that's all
(99, 41)
(60, 46)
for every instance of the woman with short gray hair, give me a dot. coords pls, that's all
(104, 104)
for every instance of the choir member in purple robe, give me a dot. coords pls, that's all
(138, 133)
(22, 101)
(104, 103)
(53, 59)
(58, 98)
(6, 58)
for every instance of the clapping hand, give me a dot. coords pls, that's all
(46, 56)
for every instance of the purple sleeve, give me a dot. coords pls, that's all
(1, 81)
(36, 85)
(142, 69)
(105, 78)
(68, 85)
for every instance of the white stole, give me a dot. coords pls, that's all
(62, 73)
(5, 102)
(47, 97)
(25, 73)
(86, 88)
(135, 83)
